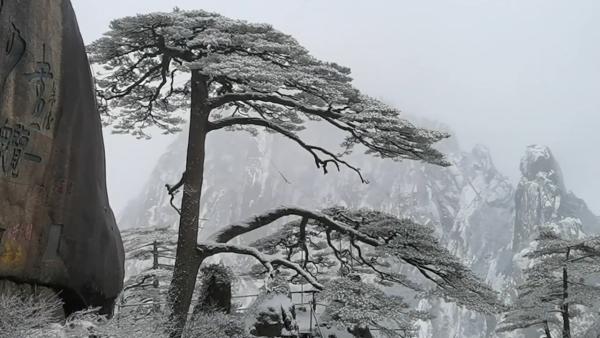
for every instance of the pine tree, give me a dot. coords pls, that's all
(235, 75)
(369, 243)
(559, 282)
(359, 307)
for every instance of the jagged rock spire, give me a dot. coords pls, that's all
(542, 199)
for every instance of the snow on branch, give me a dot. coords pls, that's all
(316, 151)
(375, 239)
(558, 283)
(144, 81)
(234, 230)
(272, 98)
(269, 261)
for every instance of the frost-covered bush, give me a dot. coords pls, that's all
(216, 324)
(42, 317)
(215, 289)
(126, 325)
(28, 316)
(153, 325)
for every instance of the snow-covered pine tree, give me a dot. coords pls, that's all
(234, 75)
(563, 278)
(534, 307)
(359, 307)
(374, 245)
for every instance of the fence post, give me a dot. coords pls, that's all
(155, 255)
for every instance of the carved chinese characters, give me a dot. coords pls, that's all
(42, 81)
(14, 142)
(56, 225)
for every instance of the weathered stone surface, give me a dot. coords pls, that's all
(56, 225)
(542, 199)
(274, 312)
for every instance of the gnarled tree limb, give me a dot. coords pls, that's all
(172, 190)
(208, 249)
(231, 231)
(315, 151)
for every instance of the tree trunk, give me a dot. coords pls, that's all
(564, 309)
(547, 330)
(187, 260)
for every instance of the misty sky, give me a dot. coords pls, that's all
(503, 73)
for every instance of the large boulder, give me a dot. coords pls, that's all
(56, 225)
(273, 313)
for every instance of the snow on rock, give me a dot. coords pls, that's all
(542, 200)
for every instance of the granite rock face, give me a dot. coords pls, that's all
(541, 199)
(56, 225)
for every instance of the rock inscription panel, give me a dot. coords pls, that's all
(56, 225)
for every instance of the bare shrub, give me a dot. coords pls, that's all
(29, 316)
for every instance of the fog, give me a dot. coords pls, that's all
(505, 74)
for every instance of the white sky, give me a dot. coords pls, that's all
(504, 73)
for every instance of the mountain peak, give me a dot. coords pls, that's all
(482, 157)
(539, 162)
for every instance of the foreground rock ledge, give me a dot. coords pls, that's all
(56, 225)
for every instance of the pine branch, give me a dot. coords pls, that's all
(210, 248)
(315, 151)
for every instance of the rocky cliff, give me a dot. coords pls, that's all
(543, 199)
